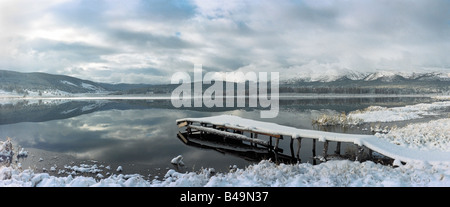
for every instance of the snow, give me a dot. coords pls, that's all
(263, 174)
(178, 160)
(92, 106)
(385, 114)
(317, 73)
(6, 149)
(22, 153)
(83, 168)
(386, 75)
(69, 111)
(91, 87)
(68, 83)
(433, 135)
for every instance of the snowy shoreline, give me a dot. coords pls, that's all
(341, 173)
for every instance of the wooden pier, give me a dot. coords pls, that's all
(263, 134)
(204, 128)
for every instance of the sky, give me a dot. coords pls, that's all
(139, 41)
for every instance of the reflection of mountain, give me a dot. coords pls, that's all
(44, 110)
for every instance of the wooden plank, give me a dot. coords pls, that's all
(182, 124)
(251, 131)
(182, 138)
(229, 135)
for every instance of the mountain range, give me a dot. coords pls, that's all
(346, 82)
(11, 81)
(383, 76)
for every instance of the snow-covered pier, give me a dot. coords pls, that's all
(234, 127)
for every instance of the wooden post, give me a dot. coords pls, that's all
(338, 148)
(325, 149)
(359, 153)
(314, 148)
(299, 142)
(277, 142)
(314, 151)
(291, 146)
(256, 137)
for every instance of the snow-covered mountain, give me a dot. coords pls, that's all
(383, 76)
(38, 84)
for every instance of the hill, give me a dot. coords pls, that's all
(25, 83)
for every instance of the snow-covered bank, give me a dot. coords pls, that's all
(384, 114)
(433, 135)
(265, 173)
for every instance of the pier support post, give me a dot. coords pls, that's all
(314, 148)
(291, 146)
(299, 145)
(338, 148)
(277, 142)
(325, 149)
(314, 151)
(359, 153)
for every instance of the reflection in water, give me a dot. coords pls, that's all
(144, 133)
(236, 148)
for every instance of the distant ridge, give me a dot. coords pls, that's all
(347, 82)
(22, 83)
(384, 76)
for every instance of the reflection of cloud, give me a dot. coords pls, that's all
(98, 127)
(128, 132)
(106, 135)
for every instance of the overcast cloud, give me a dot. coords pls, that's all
(147, 41)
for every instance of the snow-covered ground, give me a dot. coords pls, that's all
(433, 135)
(385, 114)
(265, 173)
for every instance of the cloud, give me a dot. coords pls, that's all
(148, 41)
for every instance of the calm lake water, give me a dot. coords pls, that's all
(141, 135)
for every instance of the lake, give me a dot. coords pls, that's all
(141, 135)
